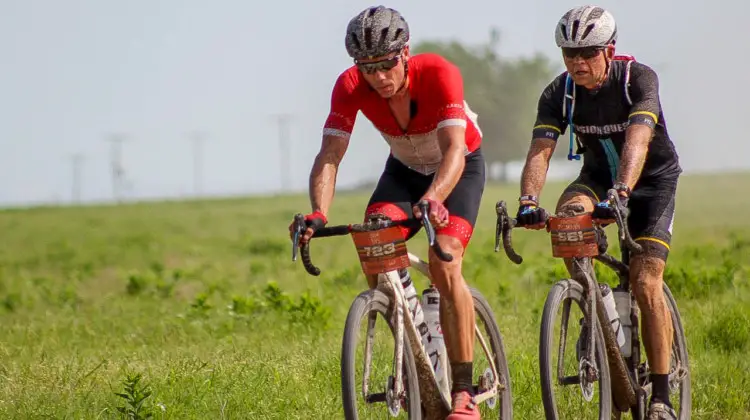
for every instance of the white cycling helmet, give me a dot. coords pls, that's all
(586, 26)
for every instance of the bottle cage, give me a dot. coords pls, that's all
(569, 104)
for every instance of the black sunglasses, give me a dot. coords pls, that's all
(585, 52)
(381, 65)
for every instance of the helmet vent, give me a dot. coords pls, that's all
(587, 31)
(368, 38)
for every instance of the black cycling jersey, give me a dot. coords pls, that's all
(601, 116)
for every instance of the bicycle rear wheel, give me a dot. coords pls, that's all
(680, 365)
(497, 350)
(679, 350)
(369, 304)
(562, 295)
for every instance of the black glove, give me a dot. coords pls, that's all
(531, 216)
(604, 212)
(315, 220)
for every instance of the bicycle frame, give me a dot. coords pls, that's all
(624, 383)
(618, 363)
(436, 399)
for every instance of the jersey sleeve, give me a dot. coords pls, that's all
(549, 116)
(448, 94)
(344, 108)
(644, 95)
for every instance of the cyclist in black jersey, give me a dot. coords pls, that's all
(611, 104)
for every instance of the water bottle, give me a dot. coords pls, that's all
(435, 346)
(612, 314)
(414, 307)
(622, 300)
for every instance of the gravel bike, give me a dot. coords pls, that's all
(615, 362)
(413, 384)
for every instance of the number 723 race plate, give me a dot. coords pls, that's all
(382, 250)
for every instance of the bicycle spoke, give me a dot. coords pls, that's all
(570, 399)
(563, 341)
(371, 318)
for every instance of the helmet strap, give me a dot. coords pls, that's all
(607, 60)
(406, 75)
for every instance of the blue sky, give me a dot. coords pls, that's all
(78, 71)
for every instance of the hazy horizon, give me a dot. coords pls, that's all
(80, 71)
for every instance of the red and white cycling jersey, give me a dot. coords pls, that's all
(437, 95)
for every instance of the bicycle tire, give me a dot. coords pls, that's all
(483, 309)
(364, 303)
(681, 341)
(562, 290)
(678, 337)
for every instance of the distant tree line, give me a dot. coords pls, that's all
(503, 92)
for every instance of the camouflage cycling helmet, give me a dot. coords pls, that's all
(376, 31)
(586, 26)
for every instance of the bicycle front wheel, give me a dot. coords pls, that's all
(576, 401)
(375, 390)
(497, 351)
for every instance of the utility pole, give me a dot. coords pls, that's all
(284, 120)
(77, 162)
(197, 139)
(118, 170)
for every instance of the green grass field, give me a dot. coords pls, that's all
(202, 300)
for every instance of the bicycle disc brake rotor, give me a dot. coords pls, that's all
(586, 376)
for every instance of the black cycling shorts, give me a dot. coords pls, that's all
(399, 188)
(651, 205)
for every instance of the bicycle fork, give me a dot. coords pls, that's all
(395, 387)
(588, 373)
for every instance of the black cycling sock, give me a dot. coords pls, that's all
(461, 373)
(660, 387)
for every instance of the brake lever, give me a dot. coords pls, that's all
(501, 216)
(424, 207)
(299, 229)
(621, 224)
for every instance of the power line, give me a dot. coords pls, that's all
(117, 167)
(77, 163)
(284, 121)
(197, 139)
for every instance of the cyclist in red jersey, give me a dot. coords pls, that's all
(417, 103)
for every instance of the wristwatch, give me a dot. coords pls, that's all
(529, 198)
(622, 187)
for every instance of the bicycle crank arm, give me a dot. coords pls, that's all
(678, 375)
(569, 380)
(375, 398)
(496, 387)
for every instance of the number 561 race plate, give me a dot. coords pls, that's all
(573, 237)
(382, 250)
